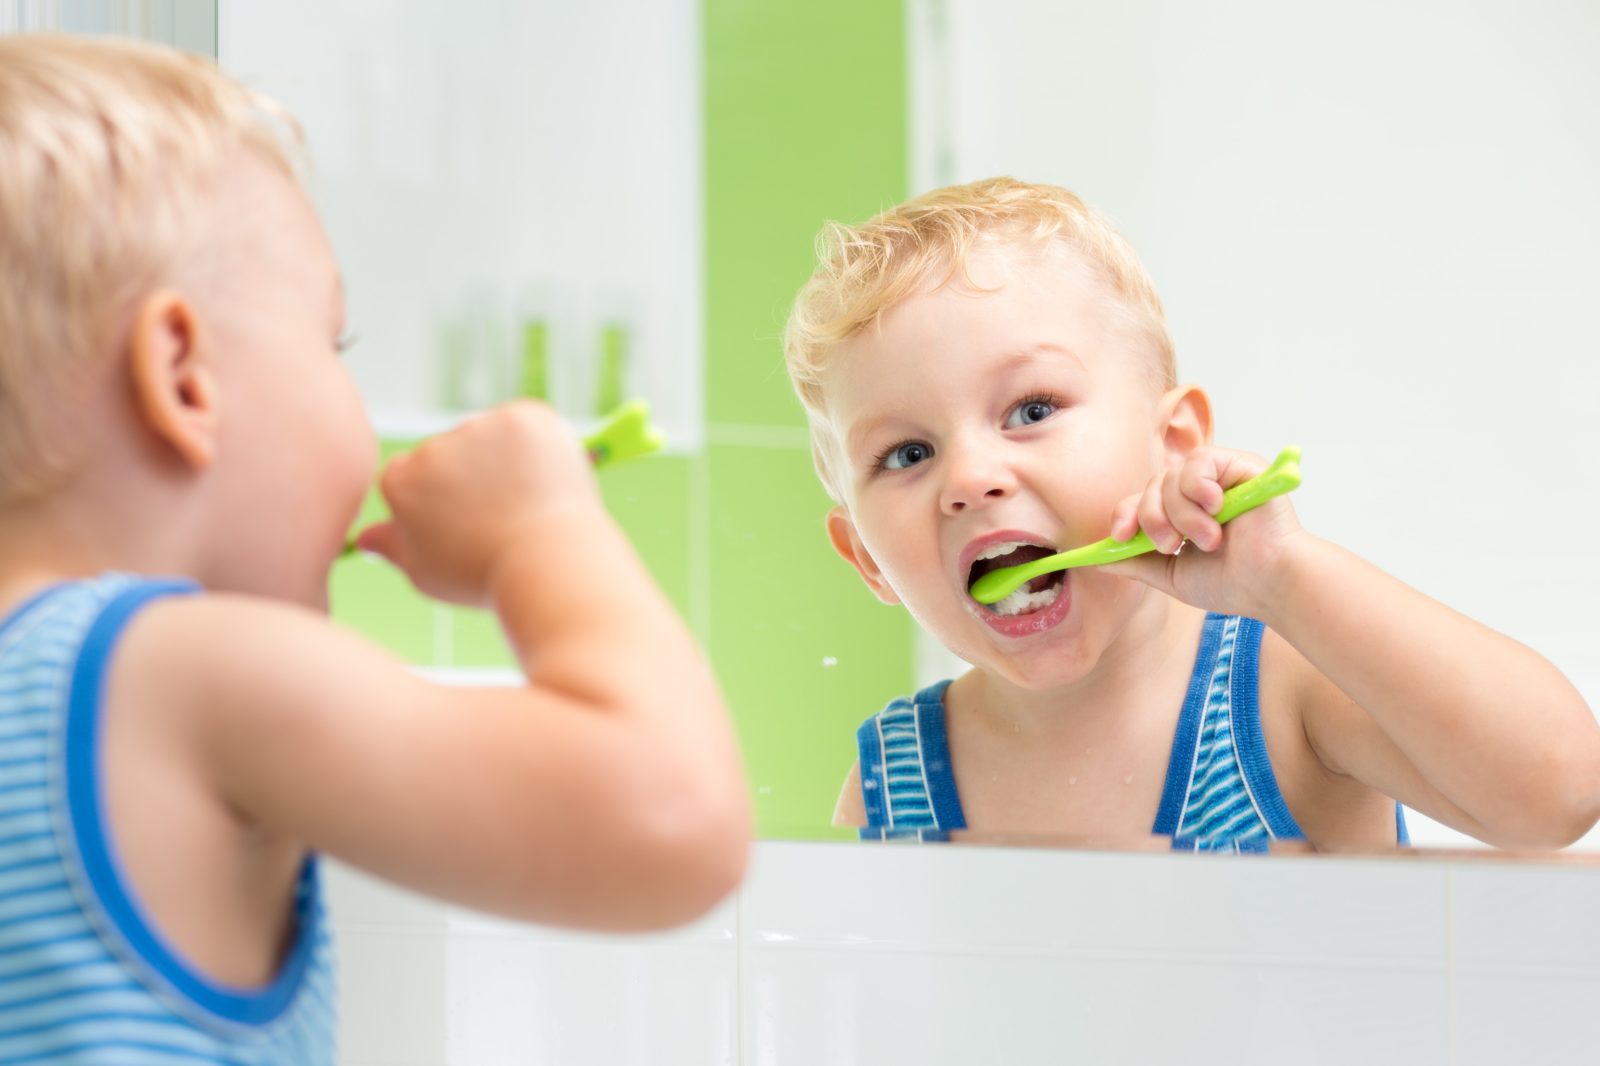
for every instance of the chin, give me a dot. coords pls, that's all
(1057, 657)
(1038, 673)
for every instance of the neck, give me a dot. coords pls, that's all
(84, 530)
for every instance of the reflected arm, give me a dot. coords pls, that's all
(850, 811)
(1448, 716)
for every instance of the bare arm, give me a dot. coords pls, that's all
(1450, 717)
(606, 793)
(1404, 694)
(849, 810)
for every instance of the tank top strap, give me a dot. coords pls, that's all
(1250, 745)
(907, 782)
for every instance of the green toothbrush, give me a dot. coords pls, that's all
(627, 433)
(1281, 477)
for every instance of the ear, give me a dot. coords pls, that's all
(1183, 419)
(842, 532)
(174, 386)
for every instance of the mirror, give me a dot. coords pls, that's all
(1373, 228)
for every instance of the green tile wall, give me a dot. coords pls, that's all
(802, 650)
(805, 120)
(647, 497)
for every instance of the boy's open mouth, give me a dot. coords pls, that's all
(1035, 595)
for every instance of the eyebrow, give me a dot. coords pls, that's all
(1038, 353)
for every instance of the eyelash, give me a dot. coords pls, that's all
(882, 457)
(1037, 397)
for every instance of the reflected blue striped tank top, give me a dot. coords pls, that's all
(1220, 792)
(85, 977)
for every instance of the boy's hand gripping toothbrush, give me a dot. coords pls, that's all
(1281, 477)
(627, 433)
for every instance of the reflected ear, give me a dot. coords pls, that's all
(842, 532)
(174, 386)
(1184, 421)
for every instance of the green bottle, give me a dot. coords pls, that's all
(613, 366)
(534, 370)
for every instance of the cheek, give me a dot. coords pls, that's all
(349, 437)
(902, 551)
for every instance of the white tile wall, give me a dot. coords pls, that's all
(837, 954)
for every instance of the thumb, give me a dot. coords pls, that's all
(380, 538)
(1152, 568)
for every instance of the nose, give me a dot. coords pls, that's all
(974, 478)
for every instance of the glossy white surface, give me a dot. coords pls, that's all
(838, 954)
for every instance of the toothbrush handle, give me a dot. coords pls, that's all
(1281, 477)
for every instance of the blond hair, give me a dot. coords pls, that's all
(865, 270)
(105, 147)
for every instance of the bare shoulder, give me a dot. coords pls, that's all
(850, 811)
(215, 656)
(235, 682)
(1296, 702)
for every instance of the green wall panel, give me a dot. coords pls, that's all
(805, 122)
(648, 497)
(802, 649)
(369, 595)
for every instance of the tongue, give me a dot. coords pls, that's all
(1042, 582)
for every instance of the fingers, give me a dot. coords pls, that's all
(1177, 505)
(1189, 496)
(1153, 517)
(1152, 570)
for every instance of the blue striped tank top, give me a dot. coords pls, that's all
(85, 978)
(1220, 792)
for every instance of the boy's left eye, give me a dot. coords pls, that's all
(1029, 412)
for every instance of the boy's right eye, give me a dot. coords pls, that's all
(908, 453)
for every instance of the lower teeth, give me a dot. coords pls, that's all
(1022, 601)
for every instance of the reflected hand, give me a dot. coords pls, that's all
(1230, 569)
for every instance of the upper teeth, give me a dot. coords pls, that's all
(994, 551)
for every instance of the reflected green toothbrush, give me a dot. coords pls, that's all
(1281, 477)
(627, 433)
